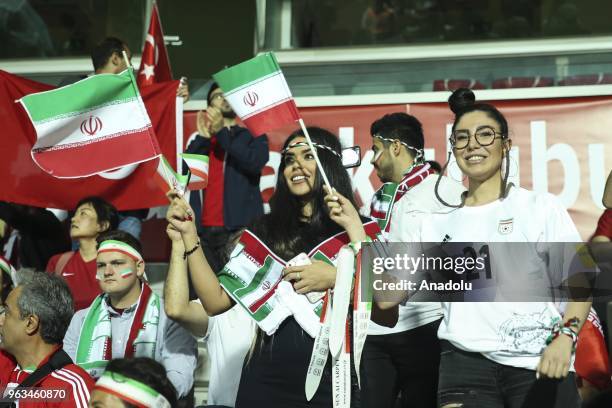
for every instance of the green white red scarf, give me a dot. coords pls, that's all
(254, 272)
(94, 349)
(390, 193)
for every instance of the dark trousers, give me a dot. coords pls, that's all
(472, 380)
(403, 363)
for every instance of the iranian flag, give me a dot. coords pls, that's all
(198, 166)
(258, 92)
(97, 124)
(166, 178)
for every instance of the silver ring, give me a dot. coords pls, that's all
(298, 276)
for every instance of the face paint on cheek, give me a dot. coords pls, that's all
(100, 274)
(126, 273)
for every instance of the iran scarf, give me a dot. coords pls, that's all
(254, 272)
(390, 193)
(94, 349)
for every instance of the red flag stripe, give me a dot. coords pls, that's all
(273, 118)
(141, 146)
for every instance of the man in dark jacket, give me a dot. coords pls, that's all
(232, 199)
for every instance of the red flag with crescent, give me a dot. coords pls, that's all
(154, 64)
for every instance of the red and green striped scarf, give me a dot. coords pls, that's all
(390, 193)
(254, 272)
(94, 349)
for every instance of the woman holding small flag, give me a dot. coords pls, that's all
(309, 228)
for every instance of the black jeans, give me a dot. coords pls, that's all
(472, 380)
(405, 362)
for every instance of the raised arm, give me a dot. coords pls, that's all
(190, 315)
(213, 297)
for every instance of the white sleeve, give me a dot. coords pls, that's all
(212, 320)
(560, 236)
(71, 338)
(559, 226)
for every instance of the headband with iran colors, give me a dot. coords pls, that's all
(131, 391)
(119, 246)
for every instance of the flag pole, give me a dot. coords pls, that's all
(127, 61)
(316, 156)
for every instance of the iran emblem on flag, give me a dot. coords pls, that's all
(258, 92)
(97, 124)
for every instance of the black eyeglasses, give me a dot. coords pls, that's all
(485, 136)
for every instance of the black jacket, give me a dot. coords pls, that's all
(245, 158)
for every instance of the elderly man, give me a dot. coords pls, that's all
(32, 325)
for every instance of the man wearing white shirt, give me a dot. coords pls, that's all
(403, 360)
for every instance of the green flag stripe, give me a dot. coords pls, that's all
(246, 72)
(86, 334)
(97, 90)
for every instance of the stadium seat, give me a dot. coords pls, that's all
(522, 82)
(590, 79)
(452, 84)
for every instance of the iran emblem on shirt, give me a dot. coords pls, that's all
(506, 226)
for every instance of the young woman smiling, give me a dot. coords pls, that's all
(501, 354)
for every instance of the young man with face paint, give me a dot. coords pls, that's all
(403, 359)
(128, 318)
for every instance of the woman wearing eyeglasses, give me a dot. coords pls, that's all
(501, 354)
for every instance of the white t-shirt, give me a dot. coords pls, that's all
(406, 216)
(512, 334)
(228, 337)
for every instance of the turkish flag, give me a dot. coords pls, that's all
(591, 361)
(130, 187)
(154, 64)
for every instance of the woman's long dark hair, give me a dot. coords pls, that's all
(463, 101)
(283, 229)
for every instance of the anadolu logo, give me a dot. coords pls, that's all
(91, 126)
(250, 98)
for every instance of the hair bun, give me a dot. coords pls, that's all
(461, 99)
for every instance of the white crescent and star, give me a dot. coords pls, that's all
(148, 71)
